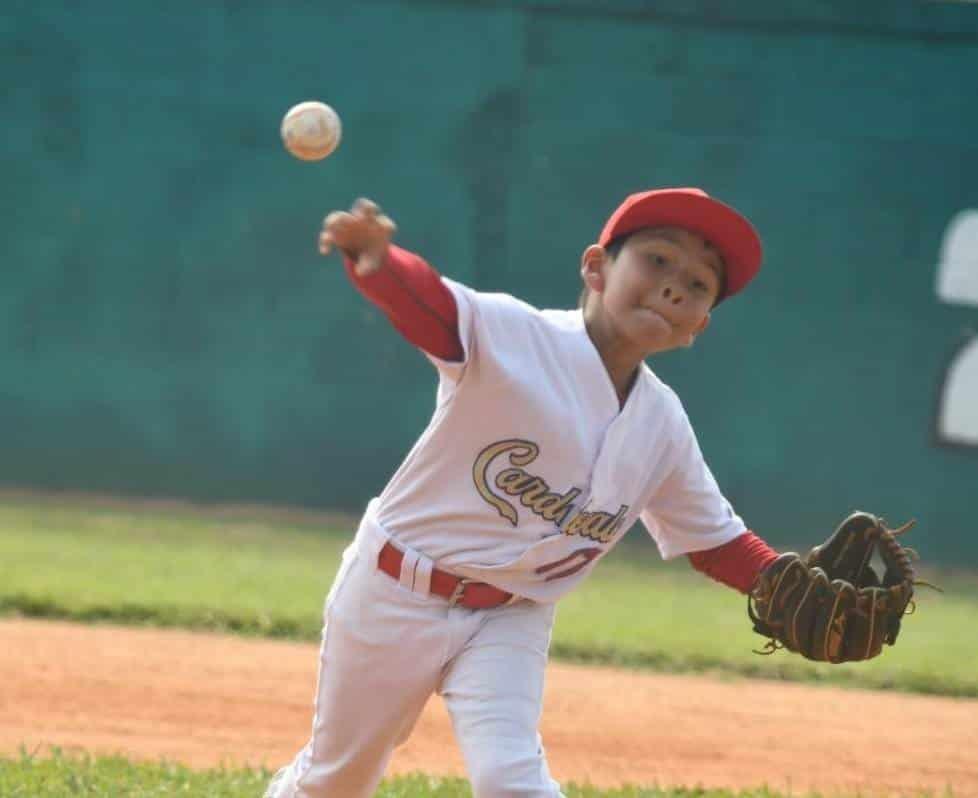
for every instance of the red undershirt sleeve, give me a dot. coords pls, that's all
(419, 305)
(736, 563)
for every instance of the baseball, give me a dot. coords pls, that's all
(311, 130)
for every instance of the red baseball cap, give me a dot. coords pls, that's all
(693, 209)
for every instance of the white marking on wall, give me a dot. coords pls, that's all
(957, 271)
(957, 284)
(958, 418)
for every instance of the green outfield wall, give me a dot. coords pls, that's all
(167, 328)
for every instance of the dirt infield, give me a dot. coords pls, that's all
(207, 699)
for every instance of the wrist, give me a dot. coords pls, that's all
(366, 264)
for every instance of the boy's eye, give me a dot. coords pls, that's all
(658, 260)
(699, 285)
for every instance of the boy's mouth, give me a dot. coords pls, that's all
(652, 311)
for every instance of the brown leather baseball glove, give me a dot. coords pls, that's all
(831, 605)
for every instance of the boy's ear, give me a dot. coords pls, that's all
(699, 330)
(592, 263)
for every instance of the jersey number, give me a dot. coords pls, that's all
(579, 558)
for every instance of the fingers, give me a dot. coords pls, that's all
(325, 243)
(337, 219)
(337, 222)
(336, 227)
(364, 227)
(387, 227)
(366, 208)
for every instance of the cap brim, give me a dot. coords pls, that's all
(726, 229)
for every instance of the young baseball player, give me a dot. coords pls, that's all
(550, 438)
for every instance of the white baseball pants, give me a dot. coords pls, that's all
(386, 649)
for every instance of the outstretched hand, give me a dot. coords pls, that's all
(363, 234)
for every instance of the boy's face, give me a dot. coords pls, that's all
(657, 294)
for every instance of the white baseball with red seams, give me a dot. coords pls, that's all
(311, 130)
(529, 471)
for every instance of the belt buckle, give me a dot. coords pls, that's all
(459, 592)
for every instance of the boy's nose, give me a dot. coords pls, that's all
(670, 294)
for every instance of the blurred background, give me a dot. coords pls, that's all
(168, 330)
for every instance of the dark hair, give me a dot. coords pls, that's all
(613, 248)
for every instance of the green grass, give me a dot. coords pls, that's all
(267, 573)
(61, 776)
(174, 567)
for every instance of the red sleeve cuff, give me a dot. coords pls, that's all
(736, 563)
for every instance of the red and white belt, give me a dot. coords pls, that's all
(459, 592)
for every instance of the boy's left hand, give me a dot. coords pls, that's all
(832, 605)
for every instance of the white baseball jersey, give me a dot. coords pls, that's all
(530, 471)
